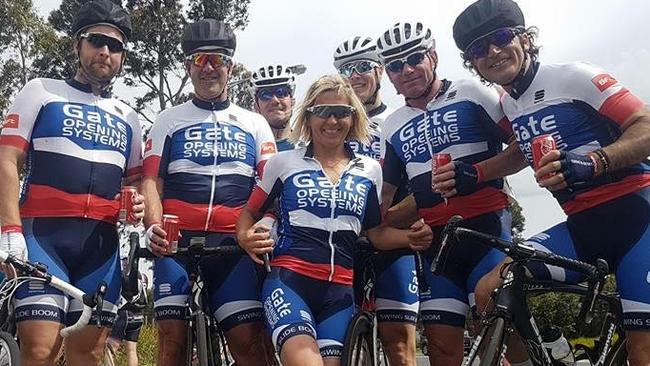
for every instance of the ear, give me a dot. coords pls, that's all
(434, 58)
(187, 67)
(525, 42)
(293, 102)
(256, 105)
(379, 72)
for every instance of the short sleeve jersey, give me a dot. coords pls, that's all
(319, 220)
(208, 155)
(79, 147)
(583, 108)
(465, 121)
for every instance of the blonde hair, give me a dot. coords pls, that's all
(359, 130)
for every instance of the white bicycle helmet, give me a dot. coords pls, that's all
(402, 38)
(356, 48)
(272, 75)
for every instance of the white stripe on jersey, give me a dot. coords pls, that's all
(304, 218)
(63, 146)
(226, 168)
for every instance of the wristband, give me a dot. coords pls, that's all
(11, 229)
(479, 173)
(604, 159)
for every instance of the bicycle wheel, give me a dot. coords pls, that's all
(357, 348)
(495, 344)
(9, 351)
(200, 327)
(617, 356)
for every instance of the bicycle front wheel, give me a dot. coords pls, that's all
(496, 342)
(357, 348)
(617, 355)
(9, 351)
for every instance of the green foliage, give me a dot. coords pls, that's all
(147, 347)
(239, 91)
(233, 12)
(518, 220)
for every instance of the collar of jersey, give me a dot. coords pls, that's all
(86, 88)
(309, 151)
(520, 87)
(377, 110)
(211, 106)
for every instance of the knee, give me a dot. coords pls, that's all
(249, 340)
(485, 287)
(37, 354)
(172, 338)
(397, 336)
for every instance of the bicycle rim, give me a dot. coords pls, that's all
(495, 346)
(9, 351)
(357, 349)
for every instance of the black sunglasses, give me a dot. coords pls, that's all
(481, 47)
(326, 110)
(412, 60)
(360, 67)
(99, 40)
(280, 92)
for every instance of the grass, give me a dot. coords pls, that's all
(147, 347)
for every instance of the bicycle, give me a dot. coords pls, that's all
(205, 338)
(510, 311)
(362, 346)
(25, 271)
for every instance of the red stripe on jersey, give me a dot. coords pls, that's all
(44, 201)
(260, 168)
(486, 200)
(151, 166)
(193, 216)
(318, 271)
(257, 199)
(621, 105)
(606, 193)
(14, 141)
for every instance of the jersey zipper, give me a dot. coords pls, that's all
(331, 230)
(92, 165)
(215, 153)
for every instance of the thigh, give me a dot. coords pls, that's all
(171, 288)
(396, 290)
(332, 313)
(133, 327)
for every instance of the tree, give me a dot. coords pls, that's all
(23, 36)
(239, 91)
(232, 12)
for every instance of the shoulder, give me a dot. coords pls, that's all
(398, 118)
(370, 167)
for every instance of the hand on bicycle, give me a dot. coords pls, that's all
(155, 240)
(420, 235)
(13, 242)
(257, 241)
(455, 178)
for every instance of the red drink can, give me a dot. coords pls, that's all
(541, 146)
(437, 161)
(170, 226)
(126, 205)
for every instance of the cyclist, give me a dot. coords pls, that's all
(327, 195)
(396, 293)
(80, 145)
(460, 118)
(598, 173)
(201, 162)
(273, 87)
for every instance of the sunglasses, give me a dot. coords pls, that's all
(360, 67)
(216, 60)
(412, 60)
(99, 40)
(339, 111)
(279, 92)
(481, 47)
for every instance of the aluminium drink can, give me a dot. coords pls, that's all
(170, 226)
(437, 161)
(126, 214)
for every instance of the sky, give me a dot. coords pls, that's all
(611, 34)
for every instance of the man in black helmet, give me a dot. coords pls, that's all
(202, 157)
(598, 171)
(82, 145)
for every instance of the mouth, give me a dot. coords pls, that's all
(331, 132)
(499, 63)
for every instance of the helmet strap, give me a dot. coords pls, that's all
(372, 102)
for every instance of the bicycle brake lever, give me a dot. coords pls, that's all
(594, 288)
(99, 302)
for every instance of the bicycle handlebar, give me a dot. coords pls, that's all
(37, 271)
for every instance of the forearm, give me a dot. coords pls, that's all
(403, 214)
(9, 193)
(632, 147)
(385, 237)
(154, 211)
(509, 161)
(246, 220)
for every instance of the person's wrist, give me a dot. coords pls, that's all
(598, 169)
(479, 173)
(11, 229)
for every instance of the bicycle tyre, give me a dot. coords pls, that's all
(617, 355)
(495, 345)
(9, 351)
(357, 348)
(200, 327)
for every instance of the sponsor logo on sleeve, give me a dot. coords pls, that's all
(268, 148)
(11, 121)
(148, 145)
(603, 81)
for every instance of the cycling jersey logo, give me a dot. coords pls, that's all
(525, 132)
(11, 121)
(148, 145)
(603, 81)
(316, 191)
(372, 150)
(437, 128)
(268, 148)
(201, 142)
(86, 125)
(647, 279)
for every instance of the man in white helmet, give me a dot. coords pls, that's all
(461, 118)
(396, 290)
(273, 87)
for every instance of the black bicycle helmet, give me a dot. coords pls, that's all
(102, 12)
(483, 17)
(208, 35)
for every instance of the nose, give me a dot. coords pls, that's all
(493, 50)
(331, 119)
(104, 51)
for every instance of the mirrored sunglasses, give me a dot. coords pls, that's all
(99, 40)
(412, 60)
(279, 92)
(326, 110)
(481, 47)
(360, 67)
(216, 60)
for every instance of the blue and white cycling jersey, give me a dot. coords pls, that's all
(208, 155)
(319, 221)
(463, 120)
(377, 117)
